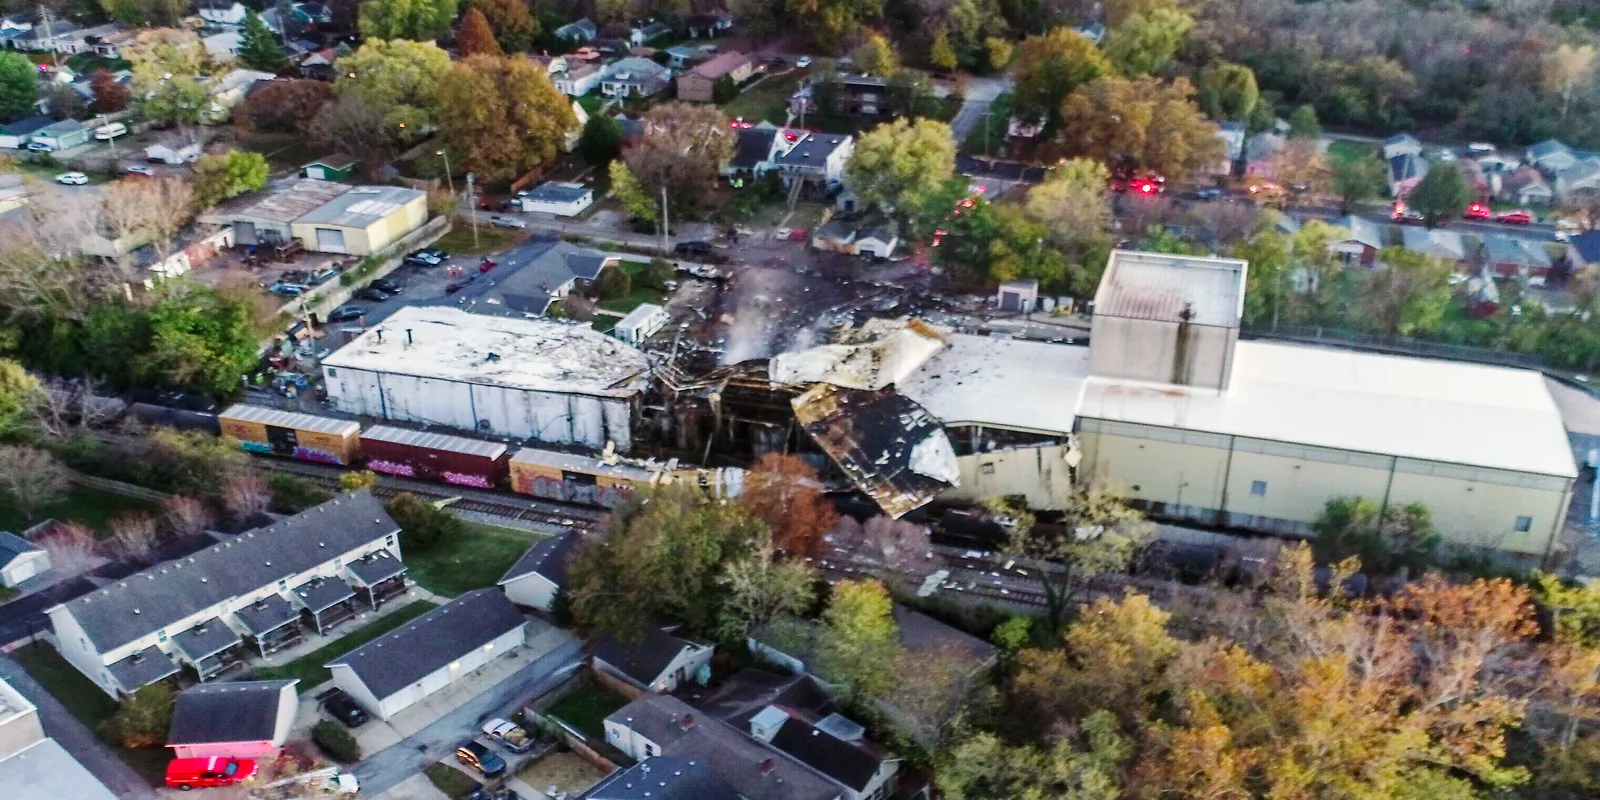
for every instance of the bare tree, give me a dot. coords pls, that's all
(134, 536)
(31, 477)
(896, 547)
(71, 548)
(245, 496)
(66, 408)
(151, 210)
(186, 516)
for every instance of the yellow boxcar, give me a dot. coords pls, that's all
(576, 479)
(287, 433)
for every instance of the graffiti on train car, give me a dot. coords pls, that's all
(576, 492)
(391, 468)
(312, 454)
(467, 479)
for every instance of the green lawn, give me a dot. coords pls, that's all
(587, 708)
(309, 669)
(642, 292)
(474, 561)
(767, 100)
(995, 122)
(459, 240)
(453, 782)
(1343, 150)
(87, 63)
(91, 507)
(592, 102)
(88, 704)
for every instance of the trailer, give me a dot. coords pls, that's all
(288, 433)
(434, 456)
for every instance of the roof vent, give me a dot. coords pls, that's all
(768, 765)
(202, 580)
(136, 611)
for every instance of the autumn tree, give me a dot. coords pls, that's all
(219, 176)
(1098, 534)
(352, 125)
(859, 643)
(514, 26)
(877, 56)
(110, 96)
(760, 588)
(186, 516)
(786, 494)
(1142, 122)
(830, 20)
(1441, 195)
(1270, 256)
(941, 55)
(900, 164)
(1566, 69)
(135, 537)
(1408, 294)
(246, 496)
(282, 106)
(19, 85)
(1228, 91)
(475, 38)
(631, 194)
(71, 547)
(1049, 67)
(1074, 206)
(20, 396)
(684, 153)
(169, 67)
(419, 20)
(399, 79)
(258, 46)
(503, 115)
(31, 478)
(1146, 41)
(1301, 166)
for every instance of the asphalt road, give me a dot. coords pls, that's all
(385, 769)
(980, 93)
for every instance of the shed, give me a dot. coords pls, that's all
(641, 323)
(435, 456)
(541, 573)
(288, 433)
(63, 135)
(242, 719)
(362, 221)
(660, 662)
(700, 83)
(335, 167)
(878, 241)
(1018, 296)
(558, 197)
(20, 559)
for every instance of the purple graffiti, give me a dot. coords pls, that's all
(391, 468)
(467, 479)
(312, 454)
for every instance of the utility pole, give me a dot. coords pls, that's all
(666, 226)
(50, 38)
(472, 208)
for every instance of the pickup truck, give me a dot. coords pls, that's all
(508, 735)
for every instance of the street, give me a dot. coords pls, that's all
(77, 739)
(981, 92)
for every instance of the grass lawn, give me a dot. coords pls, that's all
(48, 172)
(459, 240)
(592, 102)
(309, 669)
(283, 151)
(996, 122)
(1343, 150)
(474, 561)
(767, 100)
(91, 507)
(453, 782)
(642, 292)
(86, 63)
(88, 704)
(587, 708)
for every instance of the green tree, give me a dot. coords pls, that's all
(659, 273)
(830, 20)
(475, 38)
(419, 20)
(338, 743)
(143, 718)
(601, 140)
(292, 494)
(1574, 608)
(513, 23)
(168, 69)
(1358, 180)
(423, 525)
(19, 85)
(725, 90)
(1049, 67)
(998, 51)
(625, 187)
(1384, 539)
(1020, 250)
(941, 56)
(1108, 532)
(1074, 206)
(1228, 91)
(199, 340)
(859, 642)
(760, 588)
(986, 767)
(19, 393)
(613, 283)
(219, 176)
(1408, 293)
(1270, 255)
(1303, 123)
(357, 480)
(877, 56)
(258, 46)
(399, 81)
(900, 164)
(1441, 195)
(1145, 42)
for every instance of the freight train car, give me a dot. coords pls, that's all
(287, 433)
(434, 456)
(577, 479)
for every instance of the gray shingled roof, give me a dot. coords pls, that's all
(242, 711)
(663, 778)
(207, 638)
(12, 545)
(319, 594)
(267, 614)
(547, 557)
(423, 646)
(813, 150)
(377, 566)
(529, 273)
(850, 764)
(644, 660)
(157, 597)
(146, 666)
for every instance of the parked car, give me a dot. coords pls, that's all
(200, 773)
(1406, 216)
(339, 705)
(692, 248)
(1515, 218)
(477, 755)
(389, 285)
(283, 289)
(1212, 193)
(140, 169)
(40, 147)
(72, 179)
(373, 294)
(509, 735)
(425, 258)
(110, 131)
(803, 62)
(1476, 211)
(500, 221)
(346, 314)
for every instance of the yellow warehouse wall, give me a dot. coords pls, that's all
(1144, 469)
(1038, 473)
(1297, 489)
(1484, 514)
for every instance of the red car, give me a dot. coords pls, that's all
(1476, 211)
(196, 773)
(1515, 218)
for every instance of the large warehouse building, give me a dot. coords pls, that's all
(536, 379)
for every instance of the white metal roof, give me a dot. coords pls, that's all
(638, 315)
(435, 441)
(290, 419)
(1004, 383)
(1441, 411)
(585, 464)
(533, 354)
(1158, 286)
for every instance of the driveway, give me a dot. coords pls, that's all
(980, 93)
(76, 738)
(390, 767)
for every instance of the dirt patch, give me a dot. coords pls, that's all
(565, 771)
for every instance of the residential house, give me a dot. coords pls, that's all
(108, 40)
(233, 719)
(560, 198)
(1483, 184)
(640, 35)
(1517, 257)
(679, 56)
(1401, 145)
(818, 159)
(222, 46)
(864, 96)
(709, 25)
(34, 766)
(311, 15)
(318, 64)
(1583, 250)
(754, 149)
(1580, 179)
(399, 669)
(1551, 156)
(583, 30)
(1445, 245)
(335, 167)
(548, 273)
(1093, 31)
(541, 573)
(1405, 172)
(634, 77)
(1362, 241)
(60, 36)
(659, 662)
(835, 236)
(656, 725)
(833, 745)
(1259, 154)
(1498, 162)
(663, 778)
(229, 90)
(1526, 187)
(700, 83)
(575, 133)
(179, 149)
(877, 239)
(579, 79)
(15, 135)
(1233, 135)
(641, 323)
(216, 13)
(63, 135)
(20, 560)
(125, 635)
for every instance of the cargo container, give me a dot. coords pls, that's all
(577, 479)
(434, 456)
(287, 433)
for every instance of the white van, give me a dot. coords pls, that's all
(110, 131)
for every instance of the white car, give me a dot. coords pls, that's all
(72, 179)
(506, 222)
(803, 62)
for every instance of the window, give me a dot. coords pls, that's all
(333, 373)
(988, 469)
(161, 636)
(1258, 488)
(1524, 524)
(390, 540)
(283, 585)
(652, 749)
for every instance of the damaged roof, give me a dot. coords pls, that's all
(880, 354)
(890, 447)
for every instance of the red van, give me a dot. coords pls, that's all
(190, 773)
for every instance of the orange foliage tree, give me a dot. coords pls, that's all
(784, 492)
(475, 37)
